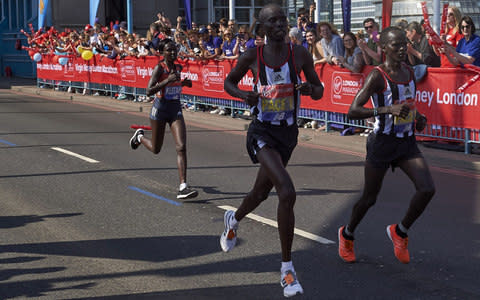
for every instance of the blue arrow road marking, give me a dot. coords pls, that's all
(7, 142)
(155, 196)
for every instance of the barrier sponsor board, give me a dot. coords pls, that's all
(436, 95)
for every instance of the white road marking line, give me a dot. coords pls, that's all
(303, 233)
(87, 159)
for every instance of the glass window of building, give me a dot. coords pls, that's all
(244, 9)
(2, 12)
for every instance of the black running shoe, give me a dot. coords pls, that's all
(134, 143)
(187, 193)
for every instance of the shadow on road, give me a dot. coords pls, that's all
(19, 221)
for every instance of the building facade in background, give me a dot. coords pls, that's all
(410, 10)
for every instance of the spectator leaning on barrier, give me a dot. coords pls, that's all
(112, 50)
(210, 42)
(452, 34)
(332, 43)
(229, 46)
(194, 44)
(315, 47)
(418, 49)
(468, 48)
(371, 50)
(244, 40)
(153, 36)
(353, 58)
(181, 41)
(141, 46)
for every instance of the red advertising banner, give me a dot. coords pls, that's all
(436, 95)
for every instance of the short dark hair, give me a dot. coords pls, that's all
(261, 14)
(163, 43)
(469, 21)
(367, 20)
(386, 32)
(302, 11)
(414, 25)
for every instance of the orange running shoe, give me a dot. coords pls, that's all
(399, 244)
(345, 247)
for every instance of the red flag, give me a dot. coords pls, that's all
(444, 19)
(386, 13)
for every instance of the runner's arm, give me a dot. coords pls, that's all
(231, 82)
(315, 91)
(374, 83)
(154, 86)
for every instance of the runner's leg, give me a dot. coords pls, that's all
(417, 170)
(274, 168)
(179, 132)
(158, 132)
(373, 184)
(262, 187)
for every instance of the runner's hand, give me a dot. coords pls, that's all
(305, 88)
(421, 122)
(172, 77)
(187, 82)
(400, 110)
(251, 98)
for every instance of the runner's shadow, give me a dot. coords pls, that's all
(19, 221)
(36, 289)
(241, 195)
(320, 192)
(10, 273)
(20, 259)
(142, 248)
(258, 291)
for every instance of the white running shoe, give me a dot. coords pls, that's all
(134, 143)
(187, 192)
(229, 235)
(290, 284)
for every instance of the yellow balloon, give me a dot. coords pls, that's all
(80, 49)
(87, 55)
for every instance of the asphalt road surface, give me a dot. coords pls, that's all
(82, 216)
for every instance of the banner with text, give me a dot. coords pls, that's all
(435, 96)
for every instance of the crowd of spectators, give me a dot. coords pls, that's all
(225, 40)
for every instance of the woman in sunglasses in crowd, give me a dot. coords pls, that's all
(468, 48)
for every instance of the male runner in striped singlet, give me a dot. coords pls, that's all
(272, 135)
(392, 143)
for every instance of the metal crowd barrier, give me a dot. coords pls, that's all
(330, 119)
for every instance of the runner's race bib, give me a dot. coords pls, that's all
(401, 125)
(277, 102)
(171, 92)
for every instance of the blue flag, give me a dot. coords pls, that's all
(188, 14)
(346, 15)
(93, 11)
(42, 12)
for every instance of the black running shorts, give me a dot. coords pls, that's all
(384, 151)
(166, 110)
(281, 138)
